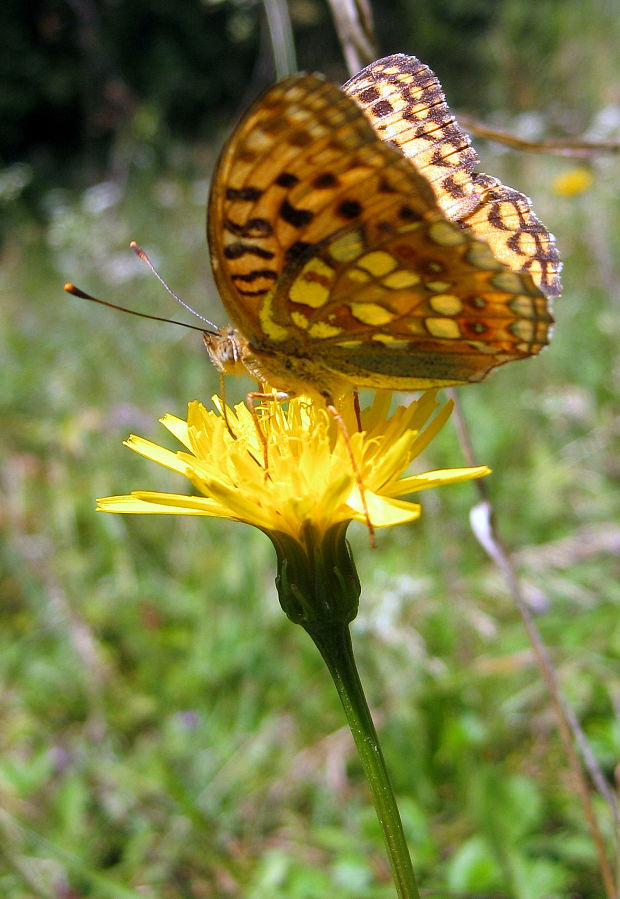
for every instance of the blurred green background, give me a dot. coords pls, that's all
(164, 730)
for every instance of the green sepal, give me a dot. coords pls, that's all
(318, 585)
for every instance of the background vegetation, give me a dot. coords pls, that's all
(164, 730)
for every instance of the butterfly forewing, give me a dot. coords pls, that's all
(405, 104)
(403, 100)
(302, 164)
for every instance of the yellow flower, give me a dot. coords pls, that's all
(309, 481)
(575, 181)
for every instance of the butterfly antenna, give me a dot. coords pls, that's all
(76, 292)
(143, 256)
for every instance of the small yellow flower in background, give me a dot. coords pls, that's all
(309, 480)
(574, 181)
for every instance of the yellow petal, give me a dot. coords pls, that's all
(384, 512)
(438, 478)
(153, 503)
(156, 454)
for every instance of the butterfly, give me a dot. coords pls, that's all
(353, 245)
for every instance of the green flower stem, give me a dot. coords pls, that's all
(334, 644)
(319, 589)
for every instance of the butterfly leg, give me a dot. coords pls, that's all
(250, 404)
(224, 407)
(333, 411)
(357, 409)
(250, 400)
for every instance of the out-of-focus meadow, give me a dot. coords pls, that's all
(164, 730)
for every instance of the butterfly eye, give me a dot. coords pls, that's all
(226, 351)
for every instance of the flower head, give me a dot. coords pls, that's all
(572, 182)
(309, 480)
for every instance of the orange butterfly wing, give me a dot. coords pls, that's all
(404, 102)
(338, 260)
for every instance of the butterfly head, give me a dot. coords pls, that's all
(225, 348)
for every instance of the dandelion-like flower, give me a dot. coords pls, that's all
(308, 494)
(309, 481)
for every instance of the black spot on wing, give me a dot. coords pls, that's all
(494, 218)
(325, 180)
(243, 193)
(296, 217)
(382, 108)
(300, 139)
(238, 249)
(255, 227)
(407, 214)
(369, 95)
(454, 189)
(385, 187)
(251, 293)
(286, 179)
(255, 274)
(296, 250)
(349, 209)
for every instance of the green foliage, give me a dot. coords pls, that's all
(93, 88)
(164, 731)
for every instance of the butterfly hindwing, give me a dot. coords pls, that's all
(506, 221)
(427, 291)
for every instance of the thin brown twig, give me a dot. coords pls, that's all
(487, 533)
(579, 148)
(590, 762)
